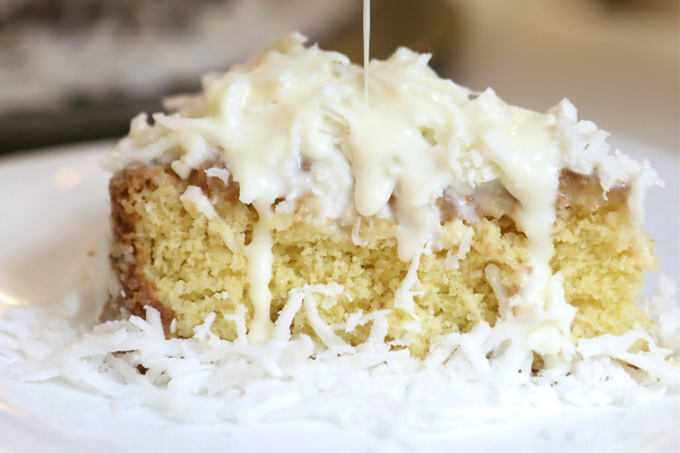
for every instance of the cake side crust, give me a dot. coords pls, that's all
(128, 256)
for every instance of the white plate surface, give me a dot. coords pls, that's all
(54, 207)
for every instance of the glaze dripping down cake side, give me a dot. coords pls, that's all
(427, 211)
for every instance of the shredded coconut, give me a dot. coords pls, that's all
(204, 379)
(453, 261)
(403, 299)
(219, 173)
(194, 200)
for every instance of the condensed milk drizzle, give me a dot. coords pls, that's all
(367, 45)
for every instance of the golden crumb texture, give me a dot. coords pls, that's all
(172, 257)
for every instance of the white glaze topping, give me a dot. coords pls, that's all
(419, 137)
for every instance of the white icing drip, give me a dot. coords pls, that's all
(260, 259)
(551, 336)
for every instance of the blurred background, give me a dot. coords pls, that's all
(77, 70)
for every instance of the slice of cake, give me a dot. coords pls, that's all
(427, 211)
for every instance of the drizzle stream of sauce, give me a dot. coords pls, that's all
(259, 251)
(367, 44)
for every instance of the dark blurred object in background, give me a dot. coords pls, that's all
(74, 70)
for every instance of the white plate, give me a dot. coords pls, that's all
(54, 207)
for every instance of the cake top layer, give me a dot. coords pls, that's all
(295, 120)
(418, 135)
